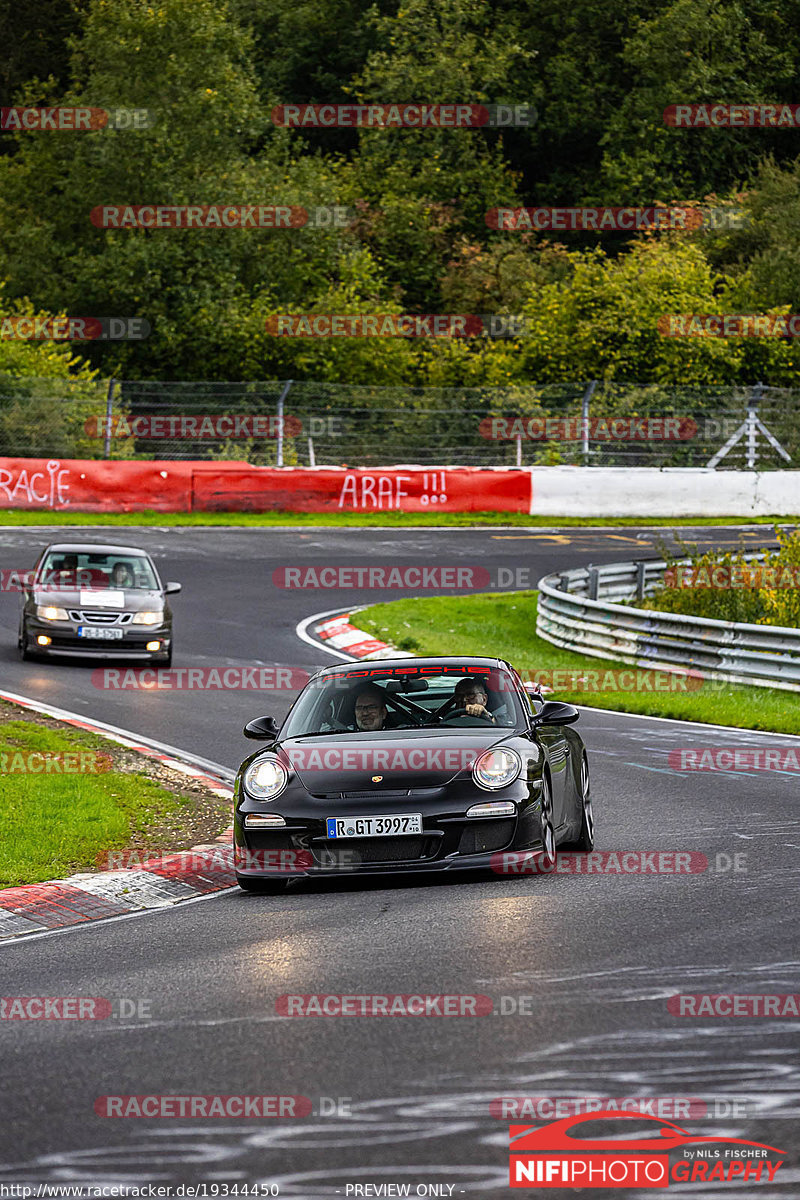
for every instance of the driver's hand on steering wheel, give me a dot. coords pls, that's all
(478, 710)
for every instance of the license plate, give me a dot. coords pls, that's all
(389, 826)
(105, 635)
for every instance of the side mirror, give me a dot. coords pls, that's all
(556, 712)
(171, 588)
(261, 729)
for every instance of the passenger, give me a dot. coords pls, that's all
(370, 709)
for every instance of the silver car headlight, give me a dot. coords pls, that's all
(496, 768)
(49, 612)
(147, 618)
(265, 778)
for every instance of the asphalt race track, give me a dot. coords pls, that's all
(579, 967)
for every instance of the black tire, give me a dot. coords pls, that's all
(22, 645)
(167, 662)
(547, 861)
(261, 887)
(585, 840)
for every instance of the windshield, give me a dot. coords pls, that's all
(90, 570)
(450, 697)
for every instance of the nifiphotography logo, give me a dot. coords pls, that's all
(553, 1156)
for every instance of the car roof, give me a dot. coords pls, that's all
(94, 548)
(466, 660)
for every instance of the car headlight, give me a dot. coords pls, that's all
(147, 618)
(496, 768)
(265, 779)
(49, 612)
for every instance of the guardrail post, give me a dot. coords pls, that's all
(563, 582)
(594, 579)
(640, 579)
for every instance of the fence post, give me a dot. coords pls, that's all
(587, 396)
(281, 398)
(109, 418)
(593, 576)
(752, 423)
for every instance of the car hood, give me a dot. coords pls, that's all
(349, 762)
(126, 599)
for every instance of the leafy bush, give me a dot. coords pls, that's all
(725, 586)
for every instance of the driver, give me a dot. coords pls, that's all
(122, 575)
(370, 709)
(471, 695)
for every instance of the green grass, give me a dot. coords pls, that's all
(52, 825)
(19, 516)
(505, 623)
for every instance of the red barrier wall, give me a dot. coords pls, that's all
(329, 489)
(99, 486)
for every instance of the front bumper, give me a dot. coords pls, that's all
(64, 641)
(449, 841)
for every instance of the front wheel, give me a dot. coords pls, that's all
(22, 645)
(261, 887)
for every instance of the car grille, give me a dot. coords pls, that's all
(99, 618)
(486, 835)
(373, 795)
(370, 850)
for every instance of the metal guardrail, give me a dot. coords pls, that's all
(580, 610)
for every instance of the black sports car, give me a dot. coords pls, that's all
(95, 601)
(412, 764)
